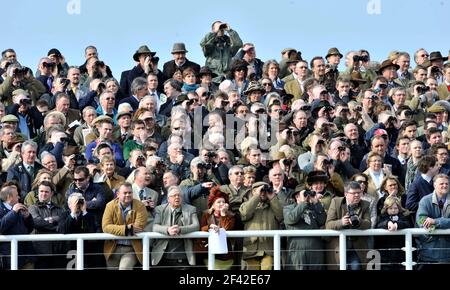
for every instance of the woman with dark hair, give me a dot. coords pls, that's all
(217, 216)
(238, 75)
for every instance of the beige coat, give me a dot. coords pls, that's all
(113, 223)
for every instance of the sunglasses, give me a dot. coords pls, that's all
(110, 99)
(260, 111)
(424, 55)
(79, 179)
(206, 94)
(238, 173)
(266, 84)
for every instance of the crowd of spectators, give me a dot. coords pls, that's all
(239, 144)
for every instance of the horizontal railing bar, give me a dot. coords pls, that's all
(231, 234)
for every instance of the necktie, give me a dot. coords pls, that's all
(124, 136)
(74, 90)
(141, 194)
(441, 204)
(31, 170)
(50, 82)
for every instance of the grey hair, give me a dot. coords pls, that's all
(352, 185)
(29, 143)
(233, 168)
(172, 188)
(7, 192)
(45, 154)
(137, 84)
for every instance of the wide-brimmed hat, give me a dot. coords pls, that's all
(436, 55)
(333, 51)
(357, 77)
(387, 63)
(141, 50)
(204, 70)
(179, 47)
(436, 109)
(16, 139)
(315, 176)
(258, 184)
(254, 86)
(293, 58)
(216, 193)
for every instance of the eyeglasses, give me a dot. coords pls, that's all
(110, 99)
(361, 181)
(266, 84)
(206, 94)
(79, 179)
(424, 55)
(260, 111)
(149, 119)
(238, 173)
(303, 67)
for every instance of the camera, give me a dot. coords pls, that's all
(267, 188)
(422, 89)
(211, 154)
(79, 159)
(354, 219)
(100, 88)
(80, 201)
(25, 102)
(310, 193)
(435, 69)
(64, 82)
(341, 148)
(223, 26)
(224, 103)
(358, 109)
(305, 108)
(321, 142)
(327, 162)
(99, 63)
(287, 162)
(328, 109)
(189, 102)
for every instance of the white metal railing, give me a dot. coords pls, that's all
(276, 234)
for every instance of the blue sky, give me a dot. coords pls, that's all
(118, 28)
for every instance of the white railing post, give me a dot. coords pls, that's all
(342, 252)
(146, 253)
(212, 259)
(80, 252)
(14, 254)
(408, 251)
(276, 252)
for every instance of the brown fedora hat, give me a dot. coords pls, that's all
(141, 50)
(387, 63)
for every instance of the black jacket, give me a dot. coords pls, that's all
(170, 67)
(21, 175)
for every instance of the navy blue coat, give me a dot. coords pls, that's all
(12, 223)
(132, 101)
(95, 207)
(21, 175)
(416, 191)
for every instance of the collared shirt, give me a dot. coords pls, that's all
(426, 177)
(29, 167)
(8, 206)
(124, 212)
